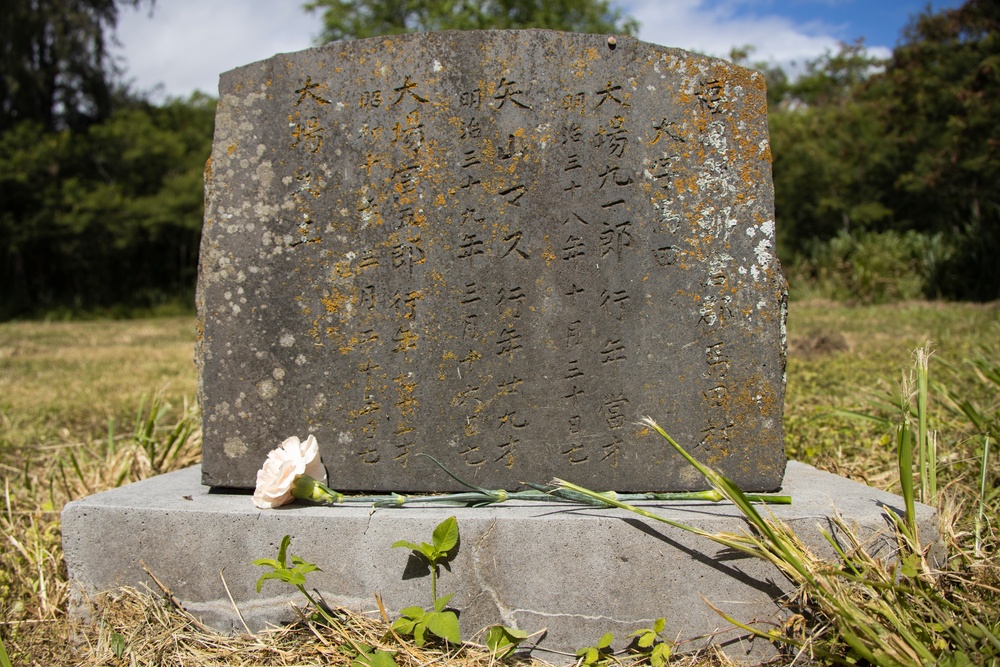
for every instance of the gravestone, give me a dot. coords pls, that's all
(498, 248)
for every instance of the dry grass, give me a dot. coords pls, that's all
(62, 385)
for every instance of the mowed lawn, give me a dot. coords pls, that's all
(62, 381)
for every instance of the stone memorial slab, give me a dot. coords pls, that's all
(499, 248)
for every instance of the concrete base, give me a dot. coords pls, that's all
(576, 572)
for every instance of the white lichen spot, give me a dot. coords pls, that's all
(278, 374)
(755, 272)
(234, 447)
(266, 389)
(350, 255)
(286, 340)
(763, 253)
(437, 66)
(742, 270)
(761, 305)
(768, 228)
(344, 438)
(319, 402)
(751, 231)
(341, 106)
(260, 149)
(287, 180)
(651, 88)
(236, 309)
(228, 295)
(300, 360)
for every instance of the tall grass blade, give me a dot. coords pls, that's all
(4, 658)
(981, 513)
(925, 465)
(904, 457)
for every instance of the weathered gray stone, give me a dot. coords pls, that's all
(578, 572)
(500, 248)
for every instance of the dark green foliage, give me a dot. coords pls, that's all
(54, 65)
(867, 154)
(353, 19)
(106, 216)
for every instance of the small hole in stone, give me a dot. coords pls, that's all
(612, 43)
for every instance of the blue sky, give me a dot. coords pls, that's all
(880, 22)
(185, 44)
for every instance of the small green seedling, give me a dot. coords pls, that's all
(502, 641)
(295, 575)
(648, 642)
(598, 655)
(118, 645)
(441, 623)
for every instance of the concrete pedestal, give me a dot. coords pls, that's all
(577, 572)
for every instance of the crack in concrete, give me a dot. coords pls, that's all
(600, 617)
(505, 613)
(369, 523)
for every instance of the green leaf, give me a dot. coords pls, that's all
(502, 640)
(118, 644)
(442, 601)
(382, 659)
(280, 575)
(910, 565)
(282, 550)
(419, 632)
(646, 639)
(660, 654)
(404, 543)
(404, 625)
(413, 612)
(659, 624)
(267, 561)
(444, 624)
(446, 535)
(605, 640)
(430, 553)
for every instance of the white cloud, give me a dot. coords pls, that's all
(715, 29)
(187, 44)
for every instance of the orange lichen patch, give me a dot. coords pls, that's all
(488, 150)
(208, 169)
(232, 149)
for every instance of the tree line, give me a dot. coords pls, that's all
(887, 173)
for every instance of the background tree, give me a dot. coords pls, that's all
(54, 65)
(942, 110)
(888, 172)
(355, 19)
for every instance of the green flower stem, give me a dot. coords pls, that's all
(306, 488)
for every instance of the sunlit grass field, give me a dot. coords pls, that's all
(75, 418)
